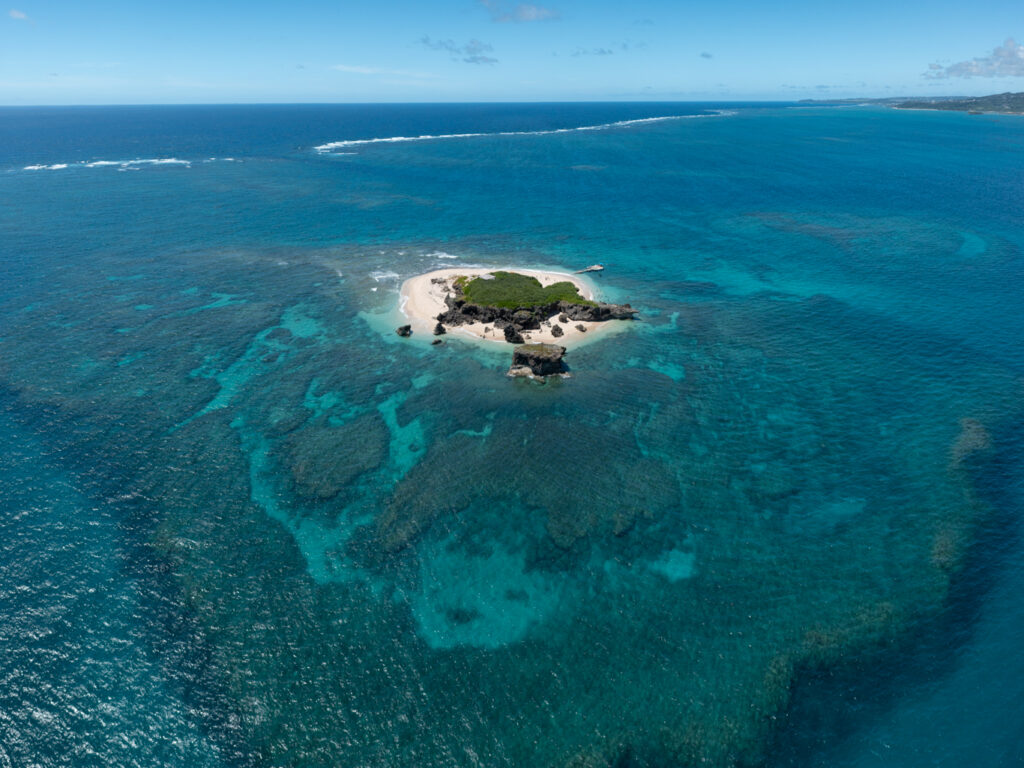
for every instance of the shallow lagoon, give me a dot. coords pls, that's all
(794, 477)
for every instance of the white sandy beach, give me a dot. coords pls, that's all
(422, 300)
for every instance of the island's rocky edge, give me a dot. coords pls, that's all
(514, 321)
(532, 360)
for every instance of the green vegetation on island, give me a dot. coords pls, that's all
(512, 303)
(511, 290)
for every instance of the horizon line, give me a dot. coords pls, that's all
(462, 102)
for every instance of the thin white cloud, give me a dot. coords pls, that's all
(475, 46)
(504, 13)
(593, 52)
(14, 13)
(360, 70)
(1006, 60)
(473, 52)
(528, 12)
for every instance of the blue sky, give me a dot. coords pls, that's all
(132, 51)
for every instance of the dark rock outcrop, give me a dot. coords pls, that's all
(598, 312)
(537, 360)
(404, 330)
(512, 335)
(437, 342)
(519, 319)
(581, 328)
(526, 319)
(439, 330)
(556, 331)
(461, 312)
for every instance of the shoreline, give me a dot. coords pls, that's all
(422, 300)
(976, 112)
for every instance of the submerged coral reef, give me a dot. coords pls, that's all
(633, 569)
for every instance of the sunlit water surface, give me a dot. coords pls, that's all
(773, 522)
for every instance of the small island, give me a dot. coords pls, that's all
(522, 307)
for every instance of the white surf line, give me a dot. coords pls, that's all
(331, 145)
(125, 164)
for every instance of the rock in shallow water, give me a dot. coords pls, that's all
(537, 359)
(404, 330)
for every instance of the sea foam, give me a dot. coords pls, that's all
(332, 145)
(126, 165)
(134, 163)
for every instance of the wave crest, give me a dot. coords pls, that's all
(332, 145)
(125, 165)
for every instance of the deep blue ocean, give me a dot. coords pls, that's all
(774, 522)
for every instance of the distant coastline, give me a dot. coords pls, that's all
(998, 104)
(995, 104)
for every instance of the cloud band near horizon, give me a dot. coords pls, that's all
(1006, 60)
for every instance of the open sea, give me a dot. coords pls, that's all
(776, 522)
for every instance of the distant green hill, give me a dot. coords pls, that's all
(1004, 103)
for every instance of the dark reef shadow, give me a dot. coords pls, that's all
(830, 706)
(172, 635)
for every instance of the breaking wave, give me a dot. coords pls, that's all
(332, 145)
(125, 165)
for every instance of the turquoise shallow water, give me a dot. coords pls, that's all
(775, 522)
